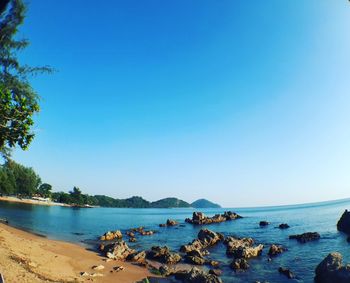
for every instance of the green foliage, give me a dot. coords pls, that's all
(18, 179)
(169, 202)
(203, 203)
(18, 100)
(45, 190)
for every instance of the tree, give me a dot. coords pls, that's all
(18, 100)
(45, 190)
(7, 181)
(76, 196)
(26, 180)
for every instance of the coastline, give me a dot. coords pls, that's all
(26, 257)
(31, 201)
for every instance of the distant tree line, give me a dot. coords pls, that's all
(21, 181)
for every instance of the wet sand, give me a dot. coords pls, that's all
(25, 257)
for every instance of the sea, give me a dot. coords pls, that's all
(83, 226)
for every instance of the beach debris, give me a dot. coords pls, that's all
(306, 237)
(283, 226)
(111, 235)
(242, 247)
(195, 275)
(98, 267)
(239, 264)
(276, 250)
(331, 269)
(199, 218)
(163, 254)
(343, 224)
(169, 222)
(118, 268)
(285, 271)
(118, 250)
(263, 223)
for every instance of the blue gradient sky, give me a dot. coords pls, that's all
(242, 102)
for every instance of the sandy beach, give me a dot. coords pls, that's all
(25, 257)
(30, 201)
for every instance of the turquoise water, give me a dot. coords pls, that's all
(83, 226)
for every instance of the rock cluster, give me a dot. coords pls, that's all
(199, 218)
(196, 275)
(111, 235)
(306, 237)
(332, 270)
(283, 226)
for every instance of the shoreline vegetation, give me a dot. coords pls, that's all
(19, 183)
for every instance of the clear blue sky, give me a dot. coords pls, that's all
(242, 102)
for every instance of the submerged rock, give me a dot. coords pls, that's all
(196, 275)
(276, 250)
(306, 237)
(343, 224)
(283, 226)
(263, 223)
(239, 263)
(285, 271)
(332, 270)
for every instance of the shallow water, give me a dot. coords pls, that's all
(85, 225)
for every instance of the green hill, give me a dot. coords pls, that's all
(203, 203)
(169, 202)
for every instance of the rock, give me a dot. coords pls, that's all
(286, 272)
(84, 273)
(283, 226)
(118, 250)
(171, 222)
(306, 237)
(239, 263)
(343, 224)
(209, 238)
(98, 267)
(196, 275)
(130, 234)
(195, 245)
(165, 270)
(137, 257)
(216, 272)
(109, 236)
(163, 254)
(263, 223)
(199, 218)
(275, 250)
(332, 270)
(197, 260)
(242, 248)
(132, 240)
(214, 263)
(162, 225)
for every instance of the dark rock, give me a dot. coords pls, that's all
(286, 272)
(132, 240)
(239, 263)
(137, 257)
(214, 263)
(332, 270)
(197, 260)
(216, 272)
(276, 250)
(283, 226)
(306, 237)
(196, 275)
(343, 224)
(263, 223)
(209, 238)
(111, 235)
(165, 270)
(163, 254)
(171, 222)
